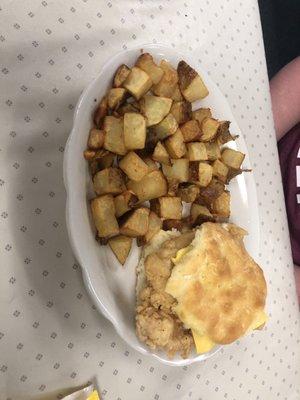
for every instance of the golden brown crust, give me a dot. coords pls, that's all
(186, 74)
(226, 289)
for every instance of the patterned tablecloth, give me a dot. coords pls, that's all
(51, 336)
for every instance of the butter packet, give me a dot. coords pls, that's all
(87, 393)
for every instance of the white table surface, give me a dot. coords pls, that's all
(51, 337)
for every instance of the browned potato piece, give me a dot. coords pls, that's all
(182, 111)
(188, 193)
(103, 212)
(232, 158)
(172, 186)
(200, 214)
(221, 205)
(153, 185)
(179, 169)
(220, 170)
(115, 97)
(196, 151)
(89, 155)
(175, 145)
(120, 246)
(155, 108)
(101, 112)
(120, 76)
(205, 174)
(209, 128)
(178, 224)
(168, 82)
(191, 131)
(146, 63)
(124, 202)
(96, 139)
(213, 151)
(177, 96)
(160, 154)
(151, 164)
(134, 131)
(127, 108)
(133, 166)
(200, 114)
(137, 82)
(155, 225)
(167, 207)
(224, 135)
(167, 127)
(103, 159)
(114, 137)
(109, 180)
(191, 85)
(211, 192)
(135, 223)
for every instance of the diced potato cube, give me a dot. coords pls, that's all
(135, 223)
(200, 114)
(160, 154)
(224, 135)
(134, 131)
(172, 186)
(150, 187)
(137, 82)
(103, 212)
(232, 158)
(221, 205)
(127, 108)
(182, 111)
(213, 151)
(120, 246)
(152, 166)
(179, 169)
(188, 193)
(147, 64)
(155, 225)
(167, 127)
(211, 192)
(101, 112)
(167, 207)
(121, 74)
(115, 97)
(205, 174)
(96, 139)
(155, 108)
(114, 136)
(124, 202)
(196, 151)
(168, 82)
(175, 145)
(191, 85)
(103, 159)
(133, 166)
(177, 96)
(209, 128)
(200, 214)
(109, 180)
(191, 131)
(89, 155)
(220, 170)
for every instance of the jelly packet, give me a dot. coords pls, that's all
(87, 393)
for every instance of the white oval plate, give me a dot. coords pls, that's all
(111, 286)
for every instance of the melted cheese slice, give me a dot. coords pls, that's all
(203, 343)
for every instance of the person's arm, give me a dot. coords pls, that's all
(285, 95)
